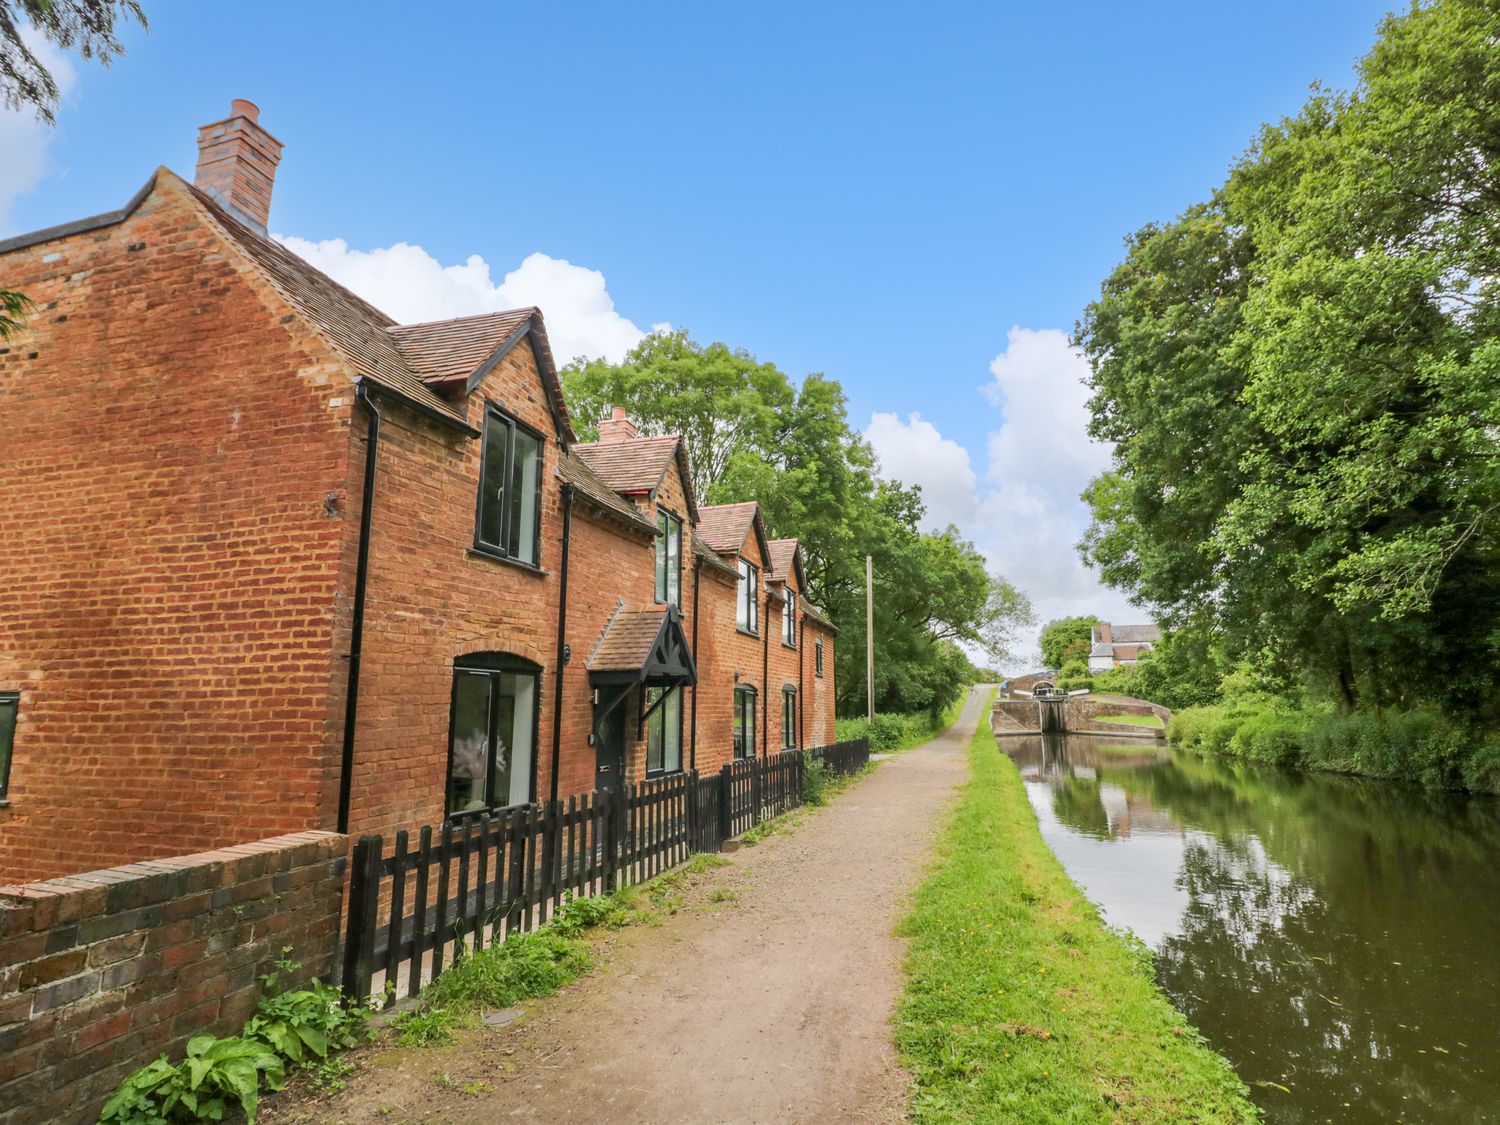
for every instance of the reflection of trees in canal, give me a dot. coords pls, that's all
(1339, 936)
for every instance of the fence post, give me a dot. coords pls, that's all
(359, 936)
(611, 839)
(692, 811)
(726, 804)
(757, 791)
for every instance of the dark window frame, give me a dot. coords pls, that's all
(789, 740)
(9, 701)
(745, 700)
(495, 415)
(660, 714)
(818, 657)
(789, 618)
(666, 520)
(493, 664)
(749, 576)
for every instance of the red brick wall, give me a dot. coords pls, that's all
(820, 700)
(169, 565)
(100, 973)
(430, 599)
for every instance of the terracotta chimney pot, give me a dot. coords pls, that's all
(617, 427)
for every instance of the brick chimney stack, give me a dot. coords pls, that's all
(237, 163)
(617, 427)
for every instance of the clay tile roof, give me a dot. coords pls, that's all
(1136, 634)
(356, 329)
(575, 471)
(627, 641)
(783, 555)
(634, 465)
(454, 349)
(711, 557)
(818, 615)
(407, 359)
(724, 526)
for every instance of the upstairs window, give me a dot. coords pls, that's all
(744, 722)
(818, 656)
(789, 619)
(10, 703)
(788, 718)
(492, 733)
(664, 732)
(668, 559)
(510, 490)
(747, 598)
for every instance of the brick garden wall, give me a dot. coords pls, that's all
(102, 972)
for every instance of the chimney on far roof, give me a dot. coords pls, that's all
(237, 163)
(617, 427)
(1104, 633)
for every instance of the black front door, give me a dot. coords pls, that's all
(609, 737)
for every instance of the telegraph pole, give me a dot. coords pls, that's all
(869, 638)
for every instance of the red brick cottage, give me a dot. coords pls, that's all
(275, 562)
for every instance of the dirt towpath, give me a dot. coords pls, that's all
(767, 998)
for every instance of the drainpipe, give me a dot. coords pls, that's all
(357, 626)
(693, 737)
(801, 675)
(765, 680)
(562, 627)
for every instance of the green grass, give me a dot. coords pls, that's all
(892, 732)
(1132, 720)
(1021, 1005)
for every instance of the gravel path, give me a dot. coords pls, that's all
(770, 1002)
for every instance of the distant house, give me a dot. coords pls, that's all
(1114, 645)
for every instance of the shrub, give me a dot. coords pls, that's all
(215, 1074)
(815, 783)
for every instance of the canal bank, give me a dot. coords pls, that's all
(1021, 1005)
(1333, 937)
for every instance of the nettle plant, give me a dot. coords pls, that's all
(290, 1028)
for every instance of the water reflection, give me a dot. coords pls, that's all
(1337, 940)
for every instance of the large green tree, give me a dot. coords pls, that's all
(1066, 639)
(751, 434)
(1301, 380)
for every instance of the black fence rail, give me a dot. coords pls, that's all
(475, 880)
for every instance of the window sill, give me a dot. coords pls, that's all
(789, 644)
(653, 775)
(740, 629)
(496, 556)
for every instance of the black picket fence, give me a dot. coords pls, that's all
(475, 880)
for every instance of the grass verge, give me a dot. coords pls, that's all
(1021, 1005)
(892, 732)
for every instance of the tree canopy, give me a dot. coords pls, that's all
(751, 434)
(1066, 639)
(1300, 375)
(87, 26)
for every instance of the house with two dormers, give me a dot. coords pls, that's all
(276, 562)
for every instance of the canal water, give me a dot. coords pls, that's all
(1337, 940)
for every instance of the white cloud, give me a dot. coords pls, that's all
(411, 285)
(915, 453)
(24, 139)
(1027, 516)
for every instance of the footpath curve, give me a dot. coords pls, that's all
(772, 1004)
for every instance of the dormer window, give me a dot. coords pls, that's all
(668, 559)
(510, 490)
(789, 619)
(747, 599)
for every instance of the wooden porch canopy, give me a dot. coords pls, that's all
(644, 648)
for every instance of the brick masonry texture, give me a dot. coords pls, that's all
(182, 476)
(102, 972)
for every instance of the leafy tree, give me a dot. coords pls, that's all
(752, 435)
(1300, 375)
(87, 25)
(1066, 639)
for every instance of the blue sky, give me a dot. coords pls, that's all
(881, 193)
